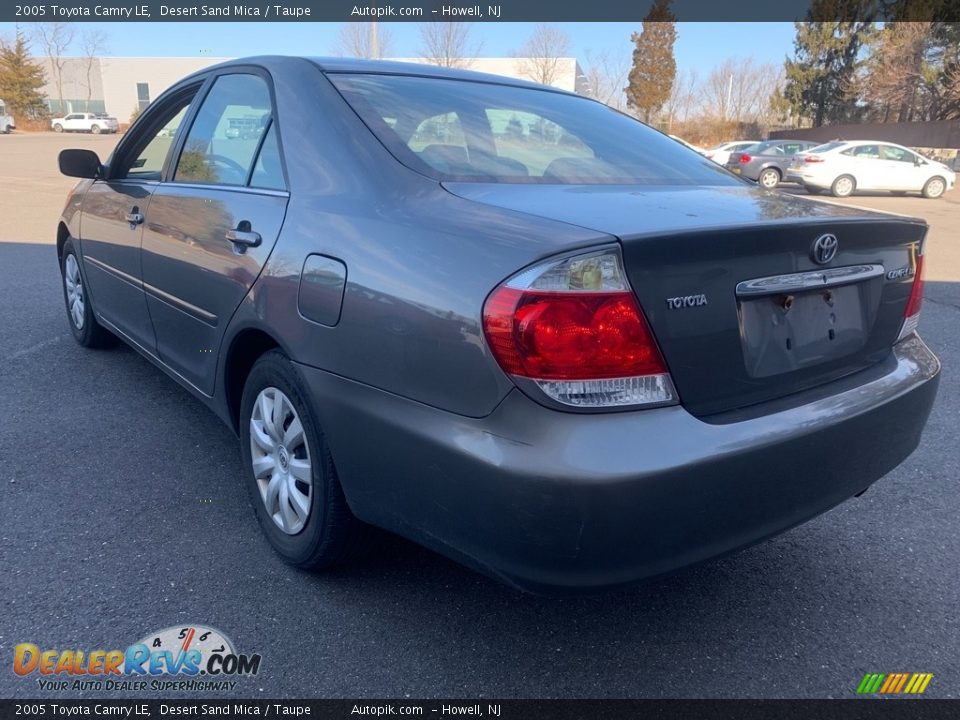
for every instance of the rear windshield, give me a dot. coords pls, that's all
(460, 130)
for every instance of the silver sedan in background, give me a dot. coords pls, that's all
(767, 162)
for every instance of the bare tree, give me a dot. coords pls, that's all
(740, 90)
(541, 54)
(55, 39)
(94, 44)
(448, 44)
(605, 77)
(364, 40)
(684, 97)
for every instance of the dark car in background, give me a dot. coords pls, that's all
(767, 162)
(497, 318)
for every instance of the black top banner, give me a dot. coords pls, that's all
(470, 11)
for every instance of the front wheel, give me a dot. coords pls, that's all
(843, 186)
(58, 128)
(769, 178)
(934, 188)
(290, 475)
(83, 324)
(95, 129)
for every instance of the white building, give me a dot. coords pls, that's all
(120, 85)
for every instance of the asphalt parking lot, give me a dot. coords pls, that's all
(122, 514)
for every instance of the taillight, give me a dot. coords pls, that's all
(744, 159)
(911, 315)
(813, 159)
(573, 328)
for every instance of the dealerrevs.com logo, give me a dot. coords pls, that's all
(192, 657)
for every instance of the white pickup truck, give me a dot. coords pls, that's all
(95, 123)
(7, 122)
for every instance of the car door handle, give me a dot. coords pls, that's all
(247, 238)
(135, 218)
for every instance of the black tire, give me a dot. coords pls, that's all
(813, 190)
(95, 129)
(58, 128)
(89, 333)
(331, 534)
(769, 174)
(934, 188)
(839, 188)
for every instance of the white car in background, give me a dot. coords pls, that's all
(721, 153)
(7, 123)
(95, 123)
(843, 166)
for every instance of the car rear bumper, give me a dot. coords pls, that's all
(553, 501)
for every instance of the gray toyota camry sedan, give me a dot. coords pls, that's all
(500, 319)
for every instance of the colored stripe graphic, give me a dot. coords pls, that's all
(894, 683)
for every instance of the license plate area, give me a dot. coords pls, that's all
(786, 331)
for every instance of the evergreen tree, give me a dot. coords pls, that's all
(650, 81)
(822, 74)
(21, 80)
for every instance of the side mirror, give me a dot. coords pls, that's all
(80, 163)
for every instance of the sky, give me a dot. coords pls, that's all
(700, 46)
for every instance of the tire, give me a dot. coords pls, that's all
(7, 130)
(769, 178)
(95, 129)
(58, 128)
(934, 187)
(329, 533)
(843, 186)
(80, 316)
(812, 190)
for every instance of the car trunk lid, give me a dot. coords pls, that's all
(728, 280)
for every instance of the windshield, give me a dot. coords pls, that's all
(472, 131)
(826, 147)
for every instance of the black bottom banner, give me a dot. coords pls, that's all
(881, 709)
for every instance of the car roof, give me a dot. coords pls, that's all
(380, 67)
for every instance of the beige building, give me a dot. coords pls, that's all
(120, 85)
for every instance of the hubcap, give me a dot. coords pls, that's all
(74, 285)
(769, 180)
(281, 460)
(935, 187)
(844, 186)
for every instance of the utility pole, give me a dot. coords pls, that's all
(374, 41)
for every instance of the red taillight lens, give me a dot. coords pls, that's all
(916, 292)
(570, 336)
(572, 327)
(812, 159)
(911, 315)
(744, 159)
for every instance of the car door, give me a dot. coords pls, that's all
(866, 166)
(111, 226)
(903, 168)
(71, 122)
(212, 224)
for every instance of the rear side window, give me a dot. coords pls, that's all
(483, 132)
(268, 170)
(226, 132)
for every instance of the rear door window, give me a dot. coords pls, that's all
(226, 132)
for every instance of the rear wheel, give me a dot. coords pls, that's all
(290, 475)
(7, 130)
(934, 187)
(843, 186)
(769, 178)
(58, 128)
(95, 129)
(83, 324)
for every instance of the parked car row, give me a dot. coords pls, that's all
(840, 167)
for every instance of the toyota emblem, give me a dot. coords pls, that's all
(824, 249)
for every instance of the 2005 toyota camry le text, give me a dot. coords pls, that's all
(500, 319)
